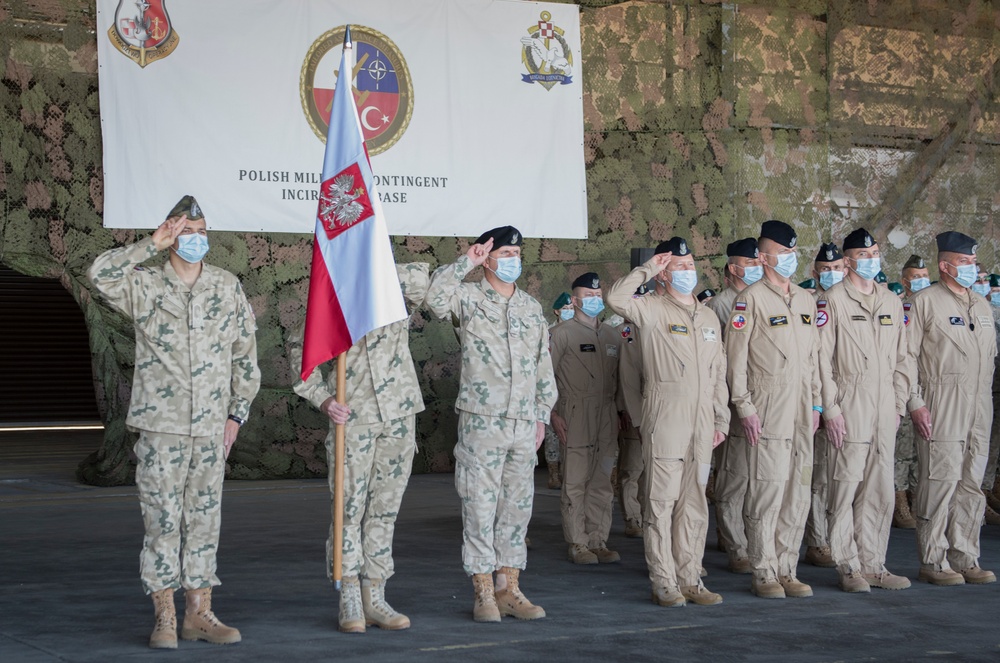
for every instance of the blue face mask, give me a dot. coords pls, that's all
(981, 288)
(868, 268)
(684, 281)
(995, 299)
(592, 306)
(566, 313)
(967, 274)
(192, 248)
(508, 269)
(752, 274)
(787, 264)
(916, 285)
(831, 278)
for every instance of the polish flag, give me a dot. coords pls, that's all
(353, 287)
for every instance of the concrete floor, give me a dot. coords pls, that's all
(69, 590)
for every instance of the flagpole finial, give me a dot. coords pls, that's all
(347, 37)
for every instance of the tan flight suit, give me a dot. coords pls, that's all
(630, 387)
(865, 372)
(951, 339)
(731, 473)
(585, 361)
(505, 389)
(684, 365)
(772, 345)
(195, 364)
(817, 528)
(905, 468)
(991, 466)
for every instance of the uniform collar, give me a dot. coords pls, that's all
(495, 296)
(205, 280)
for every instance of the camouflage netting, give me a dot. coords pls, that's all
(702, 119)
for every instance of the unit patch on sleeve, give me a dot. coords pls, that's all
(739, 321)
(822, 317)
(740, 306)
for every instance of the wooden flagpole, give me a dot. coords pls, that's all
(338, 478)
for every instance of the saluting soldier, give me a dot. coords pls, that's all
(772, 345)
(382, 398)
(914, 278)
(743, 268)
(585, 361)
(828, 269)
(506, 393)
(684, 416)
(195, 377)
(866, 378)
(952, 341)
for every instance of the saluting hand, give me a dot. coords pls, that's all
(660, 261)
(167, 232)
(478, 253)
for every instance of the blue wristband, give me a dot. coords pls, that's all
(818, 408)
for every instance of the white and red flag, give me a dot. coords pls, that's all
(353, 287)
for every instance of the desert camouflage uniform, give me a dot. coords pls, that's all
(506, 386)
(905, 465)
(380, 436)
(195, 364)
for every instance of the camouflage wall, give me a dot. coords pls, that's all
(702, 119)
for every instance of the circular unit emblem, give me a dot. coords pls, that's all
(822, 317)
(383, 89)
(739, 321)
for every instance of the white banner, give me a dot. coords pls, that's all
(472, 110)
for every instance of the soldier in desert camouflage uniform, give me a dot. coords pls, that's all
(195, 376)
(381, 402)
(506, 393)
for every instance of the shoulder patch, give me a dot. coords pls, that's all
(626, 331)
(821, 303)
(739, 321)
(740, 306)
(822, 317)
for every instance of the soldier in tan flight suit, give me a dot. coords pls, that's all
(684, 415)
(506, 393)
(585, 360)
(382, 398)
(743, 269)
(632, 496)
(866, 376)
(772, 345)
(951, 339)
(828, 270)
(195, 377)
(915, 277)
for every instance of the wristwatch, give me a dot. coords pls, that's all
(237, 419)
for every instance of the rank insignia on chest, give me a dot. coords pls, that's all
(739, 321)
(806, 318)
(588, 347)
(611, 350)
(885, 320)
(708, 334)
(740, 306)
(957, 320)
(778, 320)
(822, 317)
(679, 329)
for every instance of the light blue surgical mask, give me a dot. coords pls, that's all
(867, 268)
(592, 306)
(752, 274)
(787, 264)
(995, 300)
(981, 288)
(567, 313)
(967, 274)
(192, 248)
(508, 269)
(684, 280)
(916, 285)
(831, 278)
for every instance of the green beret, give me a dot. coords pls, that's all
(915, 262)
(561, 301)
(995, 280)
(896, 288)
(187, 205)
(881, 278)
(808, 284)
